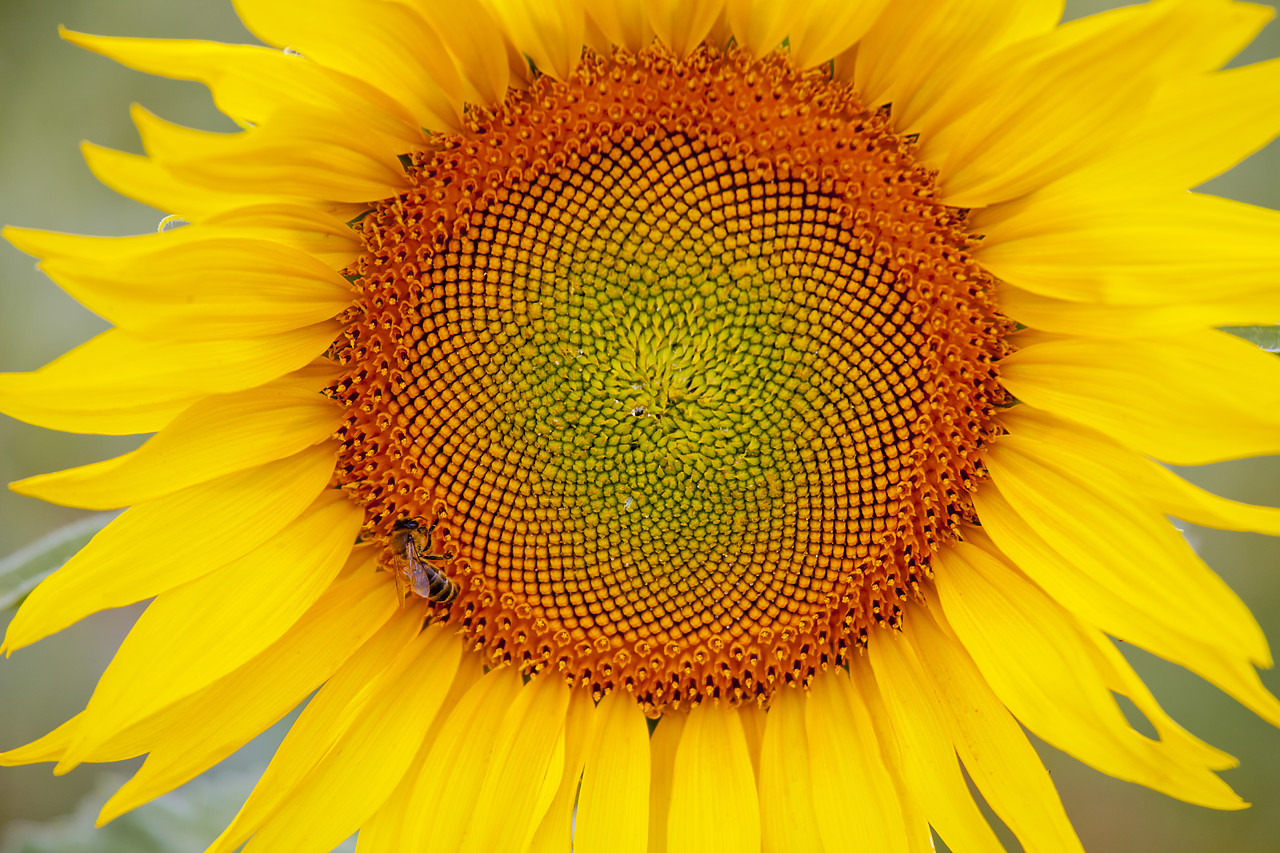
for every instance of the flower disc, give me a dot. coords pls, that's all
(686, 363)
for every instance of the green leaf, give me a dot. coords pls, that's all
(181, 821)
(21, 571)
(1267, 337)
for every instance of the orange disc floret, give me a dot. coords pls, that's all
(687, 363)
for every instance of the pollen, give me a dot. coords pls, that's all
(686, 365)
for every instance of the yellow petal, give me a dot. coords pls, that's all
(351, 782)
(324, 723)
(622, 22)
(316, 233)
(214, 288)
(919, 51)
(1083, 511)
(386, 44)
(250, 83)
(520, 768)
(161, 545)
(297, 154)
(663, 743)
(1077, 589)
(854, 797)
(474, 40)
(758, 26)
(451, 775)
(147, 180)
(821, 29)
(815, 30)
(1122, 680)
(96, 250)
(1056, 101)
(682, 24)
(914, 812)
(1132, 248)
(120, 384)
(1197, 127)
(550, 791)
(561, 826)
(224, 619)
(613, 806)
(1189, 399)
(196, 733)
(1041, 663)
(382, 833)
(714, 804)
(919, 743)
(549, 32)
(238, 229)
(217, 436)
(1224, 29)
(1166, 492)
(53, 745)
(995, 752)
(788, 821)
(752, 717)
(1101, 319)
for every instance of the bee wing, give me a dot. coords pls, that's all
(423, 581)
(420, 574)
(403, 587)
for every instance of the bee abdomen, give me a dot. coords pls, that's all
(441, 590)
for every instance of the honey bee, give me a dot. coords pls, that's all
(410, 546)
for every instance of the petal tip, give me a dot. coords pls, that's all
(114, 808)
(15, 236)
(23, 487)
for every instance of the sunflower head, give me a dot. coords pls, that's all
(679, 422)
(688, 362)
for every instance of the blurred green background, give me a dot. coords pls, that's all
(53, 95)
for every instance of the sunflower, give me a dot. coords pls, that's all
(678, 425)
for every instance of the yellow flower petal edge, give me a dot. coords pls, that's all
(1069, 701)
(378, 749)
(668, 425)
(109, 571)
(788, 813)
(713, 802)
(616, 771)
(147, 675)
(235, 708)
(559, 825)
